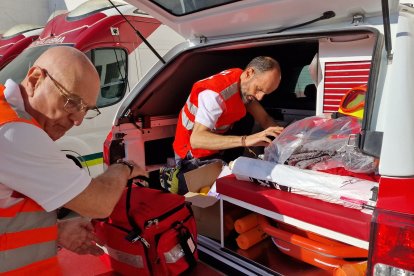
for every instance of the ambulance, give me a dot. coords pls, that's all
(346, 44)
(15, 40)
(117, 37)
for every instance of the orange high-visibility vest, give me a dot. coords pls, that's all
(226, 84)
(28, 233)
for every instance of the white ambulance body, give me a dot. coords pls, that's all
(354, 43)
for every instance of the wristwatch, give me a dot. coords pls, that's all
(126, 163)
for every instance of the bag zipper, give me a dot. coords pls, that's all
(156, 220)
(132, 240)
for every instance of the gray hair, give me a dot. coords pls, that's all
(263, 64)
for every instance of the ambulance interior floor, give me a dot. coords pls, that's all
(87, 265)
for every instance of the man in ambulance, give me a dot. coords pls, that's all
(216, 103)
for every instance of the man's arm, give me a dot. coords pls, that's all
(203, 138)
(103, 192)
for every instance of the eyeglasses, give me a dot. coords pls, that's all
(74, 103)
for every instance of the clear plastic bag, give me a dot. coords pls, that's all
(290, 139)
(320, 143)
(355, 161)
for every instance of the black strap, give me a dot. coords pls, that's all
(147, 179)
(135, 227)
(131, 220)
(185, 237)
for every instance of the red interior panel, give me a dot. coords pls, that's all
(341, 77)
(335, 217)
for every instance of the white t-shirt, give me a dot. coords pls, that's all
(33, 165)
(210, 108)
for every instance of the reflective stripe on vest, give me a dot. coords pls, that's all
(28, 233)
(226, 94)
(230, 91)
(191, 107)
(226, 84)
(47, 267)
(189, 125)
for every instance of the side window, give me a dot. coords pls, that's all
(111, 65)
(296, 90)
(304, 83)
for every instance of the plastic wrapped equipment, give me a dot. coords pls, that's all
(320, 143)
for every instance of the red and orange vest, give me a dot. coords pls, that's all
(226, 84)
(28, 233)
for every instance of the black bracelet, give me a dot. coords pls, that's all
(129, 164)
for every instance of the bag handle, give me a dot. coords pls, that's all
(135, 228)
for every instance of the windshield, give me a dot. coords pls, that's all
(17, 69)
(180, 7)
(19, 29)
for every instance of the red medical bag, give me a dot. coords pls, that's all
(150, 232)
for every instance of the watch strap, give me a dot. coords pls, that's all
(126, 163)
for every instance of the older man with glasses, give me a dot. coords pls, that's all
(36, 178)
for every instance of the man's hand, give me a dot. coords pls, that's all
(77, 235)
(263, 138)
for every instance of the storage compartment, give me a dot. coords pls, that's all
(314, 249)
(334, 221)
(157, 151)
(287, 249)
(174, 83)
(263, 253)
(300, 94)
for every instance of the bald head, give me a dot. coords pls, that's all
(59, 74)
(73, 70)
(63, 56)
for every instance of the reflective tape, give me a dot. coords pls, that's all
(191, 107)
(27, 221)
(134, 260)
(230, 91)
(175, 254)
(27, 255)
(187, 123)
